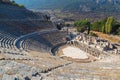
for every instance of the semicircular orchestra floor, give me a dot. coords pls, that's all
(73, 53)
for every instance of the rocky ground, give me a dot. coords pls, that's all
(43, 66)
(33, 65)
(28, 67)
(88, 71)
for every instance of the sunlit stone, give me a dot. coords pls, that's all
(74, 53)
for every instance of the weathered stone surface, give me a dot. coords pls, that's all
(9, 77)
(2, 70)
(36, 78)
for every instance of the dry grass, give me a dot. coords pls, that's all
(108, 37)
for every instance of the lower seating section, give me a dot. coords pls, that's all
(55, 37)
(7, 42)
(43, 42)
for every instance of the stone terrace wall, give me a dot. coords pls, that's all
(98, 43)
(93, 51)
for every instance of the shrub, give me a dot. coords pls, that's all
(82, 25)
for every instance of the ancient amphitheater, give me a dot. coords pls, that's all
(31, 48)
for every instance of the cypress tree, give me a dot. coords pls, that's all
(108, 25)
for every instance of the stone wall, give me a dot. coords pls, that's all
(98, 43)
(92, 51)
(95, 46)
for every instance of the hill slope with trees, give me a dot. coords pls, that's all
(108, 26)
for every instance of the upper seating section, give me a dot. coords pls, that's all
(20, 21)
(19, 28)
(17, 13)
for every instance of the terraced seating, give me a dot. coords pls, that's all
(7, 41)
(29, 44)
(25, 44)
(17, 12)
(26, 26)
(43, 41)
(55, 37)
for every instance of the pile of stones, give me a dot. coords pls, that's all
(98, 43)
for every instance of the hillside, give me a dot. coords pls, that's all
(74, 5)
(19, 21)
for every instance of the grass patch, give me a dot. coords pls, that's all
(107, 37)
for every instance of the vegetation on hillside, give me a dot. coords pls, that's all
(82, 25)
(108, 25)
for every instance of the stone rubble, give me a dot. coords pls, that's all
(94, 44)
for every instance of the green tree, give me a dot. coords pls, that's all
(109, 25)
(99, 25)
(82, 25)
(103, 28)
(96, 26)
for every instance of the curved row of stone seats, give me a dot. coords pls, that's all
(55, 37)
(37, 46)
(3, 41)
(45, 41)
(25, 44)
(30, 44)
(7, 41)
